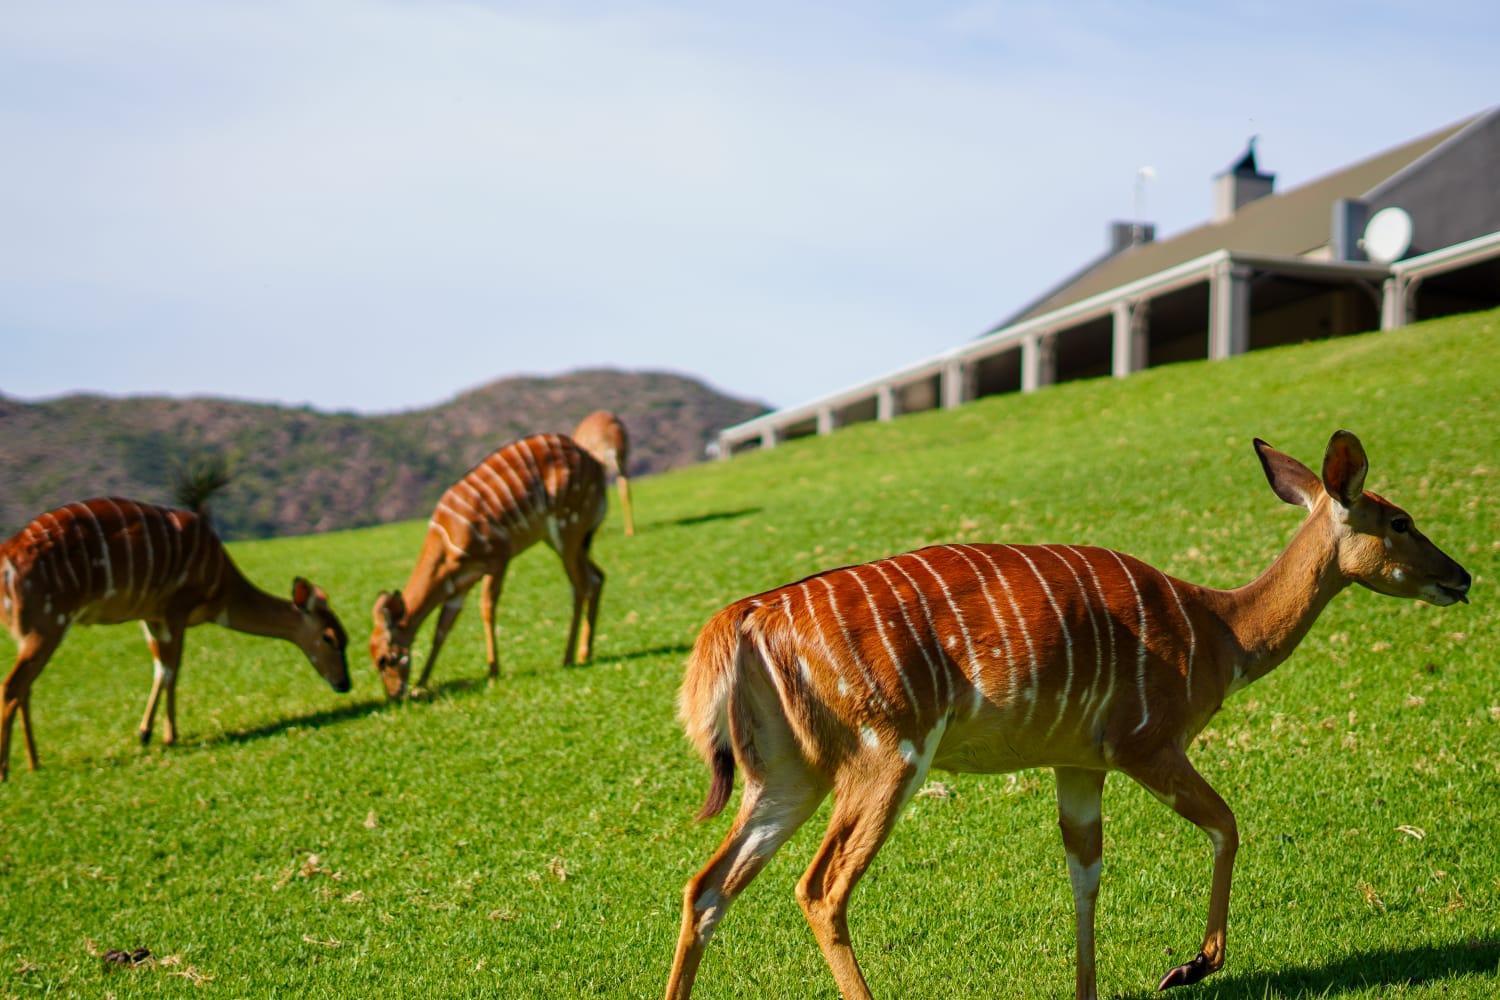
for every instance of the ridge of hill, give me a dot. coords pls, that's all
(298, 470)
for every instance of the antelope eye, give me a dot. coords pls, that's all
(1401, 525)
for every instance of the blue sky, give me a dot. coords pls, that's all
(373, 205)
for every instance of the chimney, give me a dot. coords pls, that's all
(1349, 218)
(1240, 185)
(1124, 235)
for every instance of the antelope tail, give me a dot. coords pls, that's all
(707, 700)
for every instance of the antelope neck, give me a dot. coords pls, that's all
(425, 590)
(249, 609)
(1269, 616)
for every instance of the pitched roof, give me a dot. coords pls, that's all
(1291, 223)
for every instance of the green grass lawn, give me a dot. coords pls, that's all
(532, 840)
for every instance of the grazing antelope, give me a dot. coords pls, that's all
(992, 658)
(602, 434)
(542, 487)
(110, 560)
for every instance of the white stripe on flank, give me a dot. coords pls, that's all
(896, 664)
(455, 517)
(125, 544)
(510, 509)
(505, 459)
(173, 523)
(446, 540)
(1192, 637)
(859, 663)
(812, 616)
(932, 666)
(1093, 624)
(146, 541)
(984, 589)
(1062, 623)
(1015, 609)
(1114, 666)
(455, 499)
(1140, 663)
(765, 659)
(480, 503)
(109, 573)
(528, 458)
(948, 681)
(974, 662)
(791, 631)
(62, 549)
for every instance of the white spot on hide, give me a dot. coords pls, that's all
(867, 735)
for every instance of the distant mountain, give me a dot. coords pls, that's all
(298, 470)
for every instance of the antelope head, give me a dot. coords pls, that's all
(320, 634)
(1378, 544)
(390, 643)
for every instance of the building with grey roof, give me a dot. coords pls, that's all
(1267, 268)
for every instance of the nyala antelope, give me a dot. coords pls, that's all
(602, 434)
(111, 560)
(992, 658)
(540, 488)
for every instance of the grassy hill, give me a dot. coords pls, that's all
(298, 470)
(532, 840)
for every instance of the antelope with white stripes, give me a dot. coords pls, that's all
(111, 560)
(992, 658)
(540, 488)
(602, 434)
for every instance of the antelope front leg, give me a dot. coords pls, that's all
(15, 695)
(1078, 795)
(1171, 777)
(165, 643)
(444, 624)
(489, 594)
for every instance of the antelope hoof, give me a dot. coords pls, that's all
(1186, 975)
(145, 737)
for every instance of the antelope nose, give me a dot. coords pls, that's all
(1464, 579)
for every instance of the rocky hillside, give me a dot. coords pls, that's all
(299, 470)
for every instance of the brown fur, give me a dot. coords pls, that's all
(602, 434)
(112, 560)
(992, 658)
(540, 488)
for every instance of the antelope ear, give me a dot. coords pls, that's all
(1289, 478)
(1344, 468)
(308, 596)
(390, 607)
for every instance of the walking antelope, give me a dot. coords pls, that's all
(992, 658)
(602, 435)
(110, 560)
(542, 487)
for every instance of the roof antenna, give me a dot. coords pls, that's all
(1142, 175)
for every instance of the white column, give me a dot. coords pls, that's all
(1130, 343)
(1228, 310)
(1396, 301)
(955, 388)
(827, 420)
(885, 402)
(769, 437)
(1038, 361)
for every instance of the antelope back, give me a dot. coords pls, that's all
(1071, 649)
(107, 560)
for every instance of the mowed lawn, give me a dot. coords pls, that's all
(532, 839)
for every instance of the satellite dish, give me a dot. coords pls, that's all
(1387, 236)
